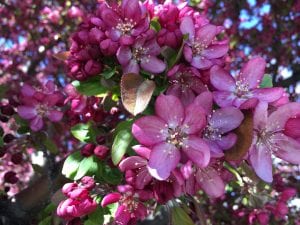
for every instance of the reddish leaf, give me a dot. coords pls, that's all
(245, 135)
(62, 55)
(136, 92)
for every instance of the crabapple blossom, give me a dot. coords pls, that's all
(243, 91)
(172, 133)
(219, 124)
(143, 53)
(201, 49)
(269, 139)
(38, 105)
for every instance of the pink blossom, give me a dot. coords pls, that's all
(136, 167)
(168, 17)
(130, 207)
(201, 49)
(243, 91)
(170, 133)
(220, 122)
(125, 22)
(185, 83)
(71, 208)
(38, 105)
(143, 53)
(269, 138)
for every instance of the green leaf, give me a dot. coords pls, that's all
(46, 221)
(111, 175)
(88, 166)
(97, 217)
(90, 87)
(120, 145)
(155, 25)
(126, 124)
(71, 165)
(180, 217)
(267, 81)
(84, 132)
(109, 72)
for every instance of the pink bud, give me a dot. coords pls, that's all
(101, 151)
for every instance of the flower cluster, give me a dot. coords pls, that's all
(79, 202)
(39, 103)
(202, 123)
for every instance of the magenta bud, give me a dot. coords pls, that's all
(101, 151)
(10, 177)
(87, 182)
(7, 110)
(17, 158)
(87, 150)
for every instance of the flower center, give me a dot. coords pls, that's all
(212, 133)
(267, 139)
(126, 26)
(129, 202)
(140, 53)
(176, 137)
(198, 47)
(241, 89)
(41, 110)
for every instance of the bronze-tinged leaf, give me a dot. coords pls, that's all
(62, 55)
(245, 135)
(136, 92)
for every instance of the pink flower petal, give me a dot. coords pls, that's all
(206, 34)
(143, 178)
(188, 54)
(110, 17)
(153, 65)
(211, 182)
(110, 198)
(27, 112)
(226, 119)
(253, 72)
(55, 115)
(223, 98)
(149, 130)
(163, 159)
(278, 119)
(227, 141)
(187, 27)
(288, 148)
(122, 215)
(221, 79)
(195, 119)
(205, 100)
(197, 151)
(292, 128)
(268, 94)
(131, 9)
(131, 67)
(260, 115)
(37, 123)
(124, 55)
(170, 109)
(215, 51)
(132, 162)
(261, 161)
(201, 63)
(142, 151)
